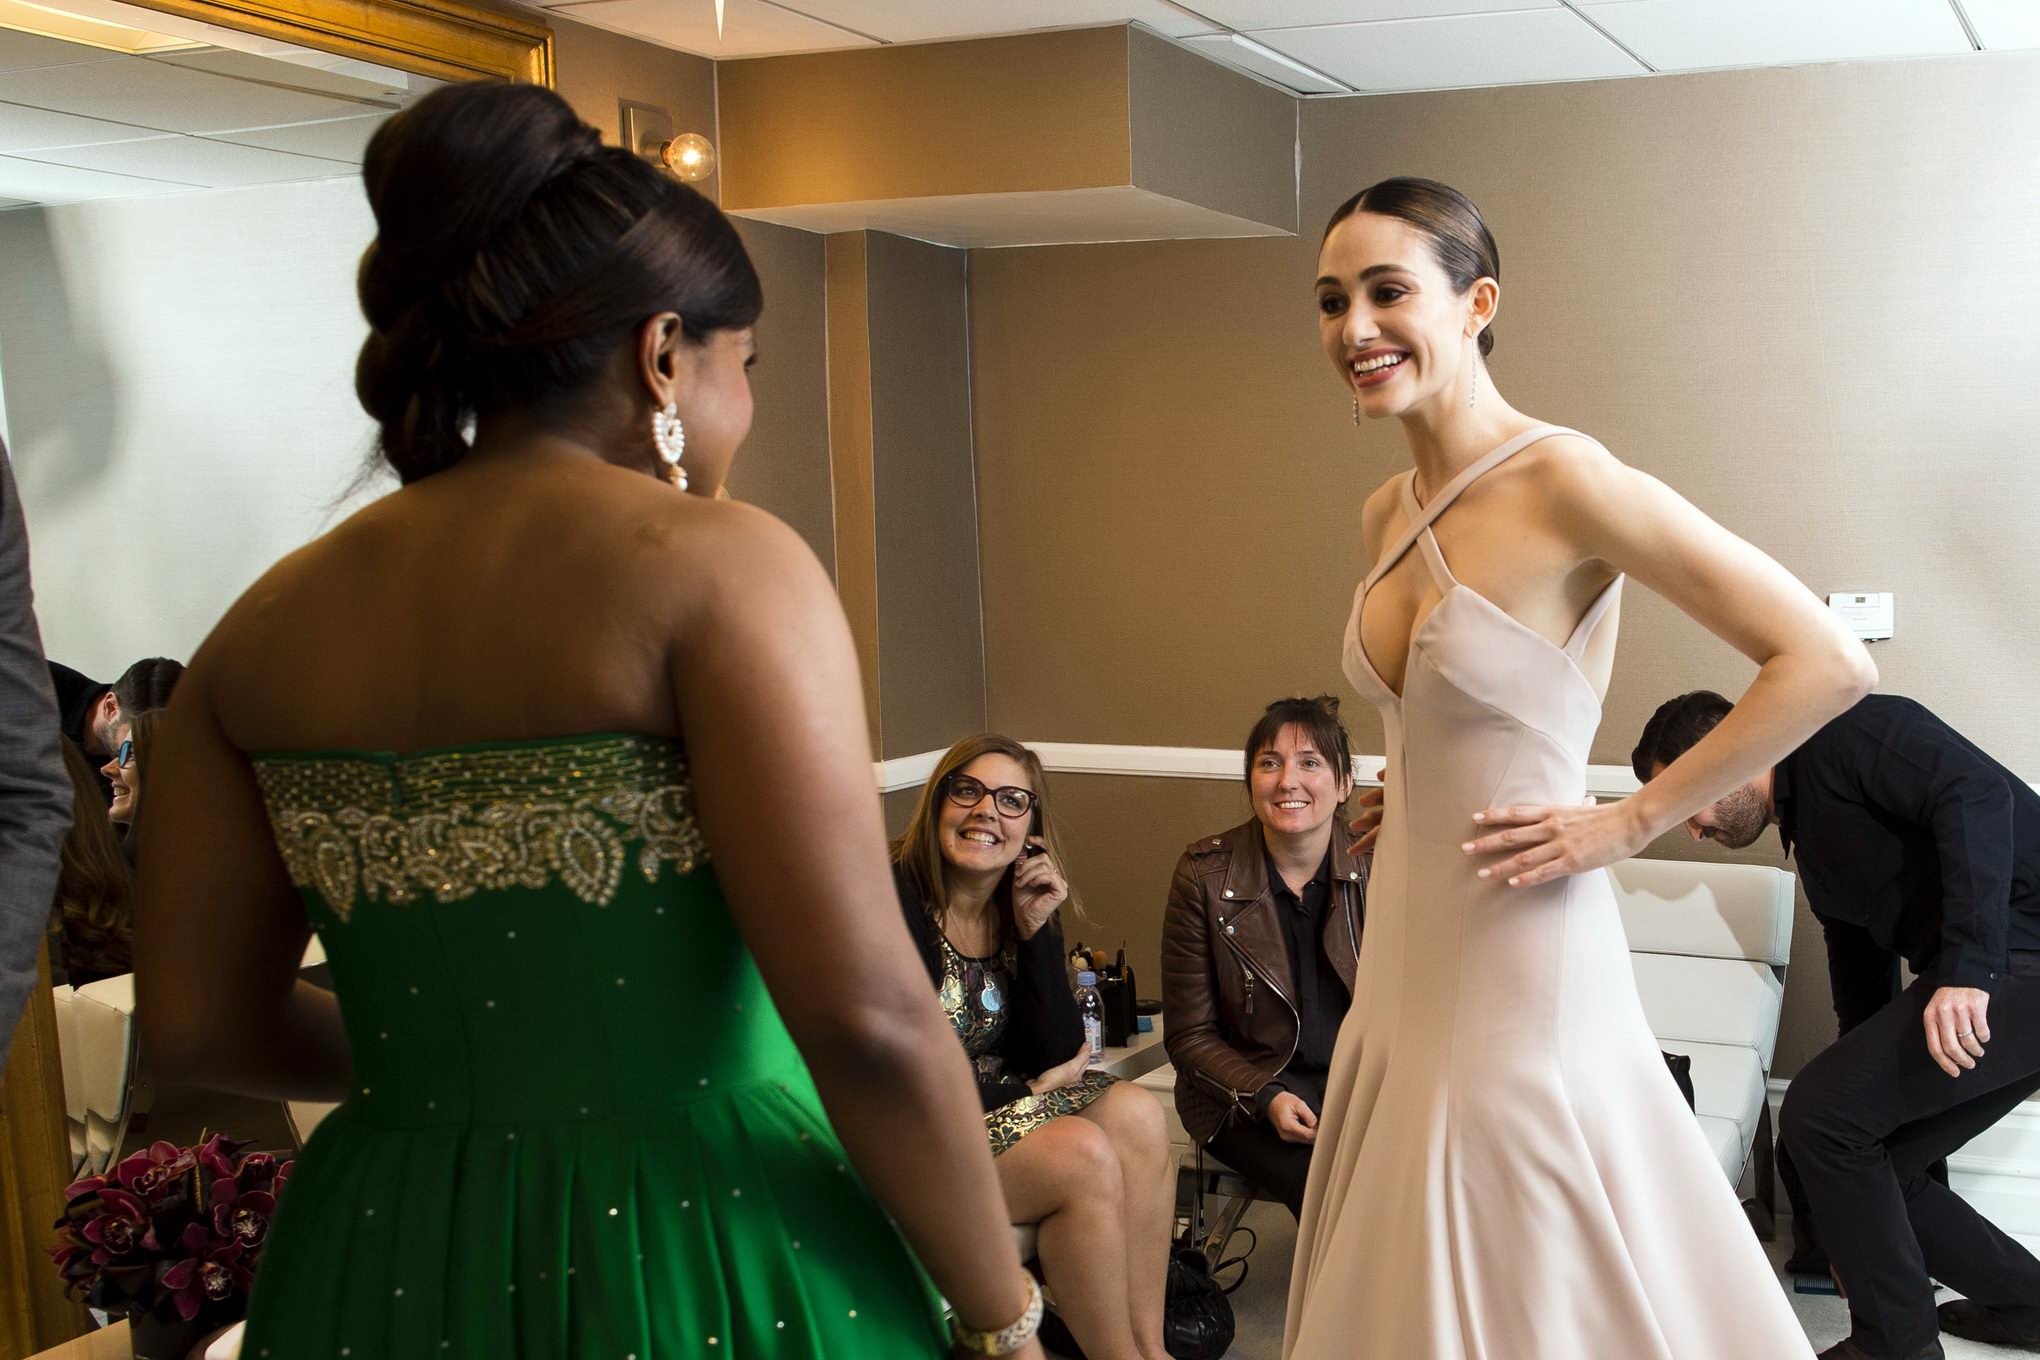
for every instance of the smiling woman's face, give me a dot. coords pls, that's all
(978, 839)
(1389, 318)
(1292, 784)
(127, 781)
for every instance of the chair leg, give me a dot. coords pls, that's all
(1762, 1207)
(1213, 1245)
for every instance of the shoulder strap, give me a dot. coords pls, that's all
(1423, 516)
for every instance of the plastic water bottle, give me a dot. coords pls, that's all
(1093, 1011)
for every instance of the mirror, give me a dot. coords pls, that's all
(180, 219)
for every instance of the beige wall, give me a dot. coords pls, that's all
(930, 645)
(1798, 295)
(596, 69)
(784, 466)
(912, 120)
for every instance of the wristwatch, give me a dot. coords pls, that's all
(1009, 1338)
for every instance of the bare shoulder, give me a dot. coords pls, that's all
(705, 557)
(1578, 477)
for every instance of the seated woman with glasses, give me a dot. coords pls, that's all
(124, 771)
(1259, 946)
(1083, 1155)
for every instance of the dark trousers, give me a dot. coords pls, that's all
(1864, 1122)
(1273, 1167)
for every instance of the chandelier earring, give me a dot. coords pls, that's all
(670, 438)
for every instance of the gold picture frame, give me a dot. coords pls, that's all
(444, 39)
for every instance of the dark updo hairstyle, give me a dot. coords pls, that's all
(1460, 241)
(513, 253)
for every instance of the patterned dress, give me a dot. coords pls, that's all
(975, 992)
(578, 1128)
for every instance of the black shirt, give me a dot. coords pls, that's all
(1321, 996)
(1911, 842)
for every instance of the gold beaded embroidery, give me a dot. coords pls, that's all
(455, 823)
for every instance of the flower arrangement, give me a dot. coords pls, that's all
(171, 1234)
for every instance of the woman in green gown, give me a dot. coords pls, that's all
(568, 770)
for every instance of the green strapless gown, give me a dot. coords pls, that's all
(578, 1127)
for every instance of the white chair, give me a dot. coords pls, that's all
(1710, 944)
(96, 1044)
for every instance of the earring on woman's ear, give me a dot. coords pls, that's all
(1473, 358)
(670, 438)
(1356, 410)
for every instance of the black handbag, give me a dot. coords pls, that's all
(1197, 1319)
(1681, 1067)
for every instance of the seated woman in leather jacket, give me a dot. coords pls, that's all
(1259, 946)
(1082, 1154)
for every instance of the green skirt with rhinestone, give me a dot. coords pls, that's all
(579, 1128)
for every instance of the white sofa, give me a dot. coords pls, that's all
(1709, 943)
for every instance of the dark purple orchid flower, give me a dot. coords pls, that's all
(211, 1271)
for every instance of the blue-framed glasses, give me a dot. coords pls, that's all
(126, 754)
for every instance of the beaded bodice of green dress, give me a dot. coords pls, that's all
(577, 1125)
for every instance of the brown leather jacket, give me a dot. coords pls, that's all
(1229, 1017)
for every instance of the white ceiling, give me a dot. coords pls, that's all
(80, 123)
(1369, 46)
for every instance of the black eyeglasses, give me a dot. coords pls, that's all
(1011, 802)
(125, 754)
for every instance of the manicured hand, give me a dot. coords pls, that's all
(1293, 1121)
(1545, 843)
(1956, 1028)
(1038, 889)
(1063, 1074)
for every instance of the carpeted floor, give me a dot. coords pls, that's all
(1259, 1303)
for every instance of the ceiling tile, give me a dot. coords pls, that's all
(1515, 48)
(1248, 55)
(196, 160)
(1692, 35)
(37, 182)
(26, 129)
(2003, 24)
(923, 20)
(348, 79)
(1262, 14)
(156, 94)
(339, 139)
(750, 28)
(23, 51)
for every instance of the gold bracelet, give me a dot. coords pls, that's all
(1008, 1338)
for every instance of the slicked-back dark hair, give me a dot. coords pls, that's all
(146, 685)
(1676, 728)
(1460, 240)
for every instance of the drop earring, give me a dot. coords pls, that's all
(1356, 410)
(1473, 357)
(670, 438)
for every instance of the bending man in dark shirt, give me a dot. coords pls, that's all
(1912, 844)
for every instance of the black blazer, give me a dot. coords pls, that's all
(1043, 1024)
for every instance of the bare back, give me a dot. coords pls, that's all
(505, 600)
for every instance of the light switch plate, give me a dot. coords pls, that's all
(1868, 614)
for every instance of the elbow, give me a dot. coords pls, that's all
(1856, 675)
(873, 1041)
